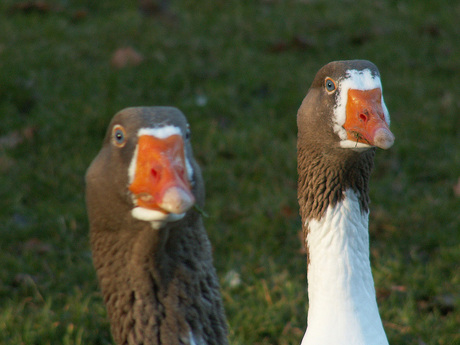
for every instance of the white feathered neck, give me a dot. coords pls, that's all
(342, 302)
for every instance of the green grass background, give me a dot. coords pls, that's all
(239, 71)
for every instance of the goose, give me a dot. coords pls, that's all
(151, 253)
(340, 122)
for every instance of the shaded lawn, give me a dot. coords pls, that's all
(239, 71)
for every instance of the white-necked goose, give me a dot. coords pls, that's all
(341, 120)
(150, 249)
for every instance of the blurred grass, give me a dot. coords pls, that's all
(239, 71)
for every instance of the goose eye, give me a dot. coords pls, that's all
(187, 132)
(119, 136)
(330, 85)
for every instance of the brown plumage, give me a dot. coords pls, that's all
(157, 278)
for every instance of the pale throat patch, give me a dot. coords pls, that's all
(156, 218)
(359, 80)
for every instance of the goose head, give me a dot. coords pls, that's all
(145, 168)
(345, 109)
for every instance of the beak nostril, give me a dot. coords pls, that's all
(363, 117)
(154, 173)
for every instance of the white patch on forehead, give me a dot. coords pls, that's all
(359, 80)
(160, 132)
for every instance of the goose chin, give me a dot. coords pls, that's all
(355, 145)
(157, 218)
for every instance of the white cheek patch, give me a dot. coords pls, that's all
(385, 112)
(132, 166)
(189, 168)
(359, 80)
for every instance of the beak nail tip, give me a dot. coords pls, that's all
(384, 138)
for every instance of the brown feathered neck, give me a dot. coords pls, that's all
(325, 176)
(159, 285)
(325, 170)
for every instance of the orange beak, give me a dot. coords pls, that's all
(160, 180)
(365, 121)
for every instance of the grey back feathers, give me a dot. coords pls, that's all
(159, 285)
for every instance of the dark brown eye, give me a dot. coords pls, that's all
(330, 85)
(119, 136)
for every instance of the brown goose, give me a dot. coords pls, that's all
(341, 120)
(150, 249)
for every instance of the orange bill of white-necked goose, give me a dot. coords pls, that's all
(340, 122)
(150, 249)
